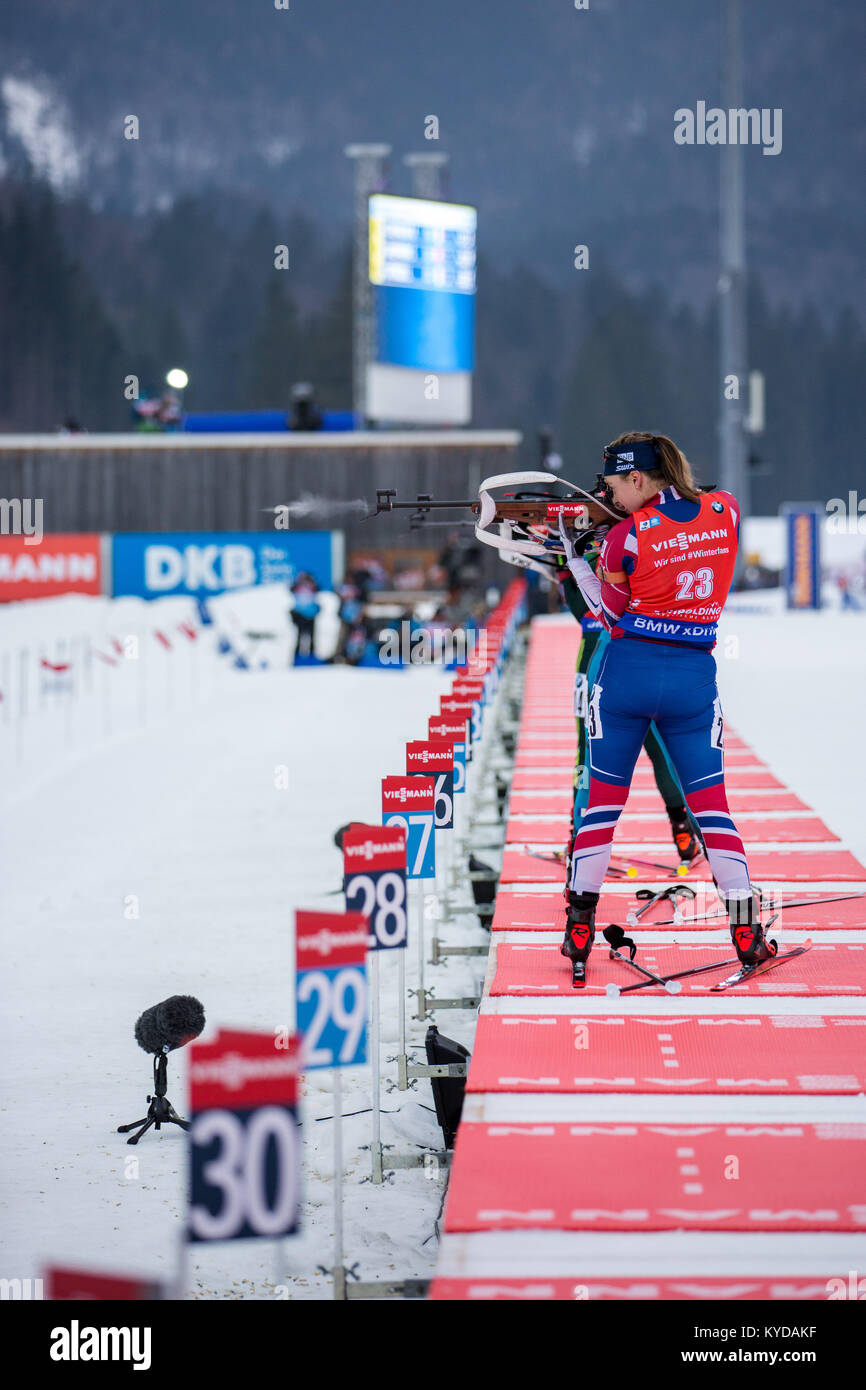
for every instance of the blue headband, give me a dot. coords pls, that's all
(625, 457)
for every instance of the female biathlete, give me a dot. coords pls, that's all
(665, 575)
(593, 644)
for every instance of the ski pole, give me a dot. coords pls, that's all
(796, 902)
(694, 969)
(672, 892)
(673, 870)
(680, 974)
(557, 857)
(615, 936)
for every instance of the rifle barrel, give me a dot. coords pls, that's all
(425, 505)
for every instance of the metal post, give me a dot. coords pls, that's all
(439, 869)
(370, 177)
(447, 871)
(402, 1080)
(422, 1001)
(338, 1272)
(376, 1146)
(733, 445)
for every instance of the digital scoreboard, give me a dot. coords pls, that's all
(422, 265)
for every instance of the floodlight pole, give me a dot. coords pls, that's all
(428, 174)
(733, 351)
(371, 171)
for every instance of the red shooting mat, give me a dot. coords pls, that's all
(559, 802)
(636, 1289)
(639, 1177)
(536, 734)
(561, 754)
(550, 779)
(535, 730)
(539, 972)
(695, 1054)
(546, 912)
(657, 829)
(778, 865)
(547, 776)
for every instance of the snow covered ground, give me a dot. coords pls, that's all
(793, 685)
(148, 849)
(158, 855)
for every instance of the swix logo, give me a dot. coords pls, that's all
(682, 540)
(368, 850)
(404, 794)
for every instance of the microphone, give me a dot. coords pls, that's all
(170, 1024)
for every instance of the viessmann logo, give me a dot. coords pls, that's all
(425, 757)
(404, 794)
(233, 1071)
(682, 540)
(325, 942)
(368, 850)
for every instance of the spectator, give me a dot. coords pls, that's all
(304, 612)
(847, 599)
(351, 612)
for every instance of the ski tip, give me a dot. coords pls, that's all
(612, 991)
(630, 920)
(673, 987)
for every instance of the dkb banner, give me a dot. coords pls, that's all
(212, 562)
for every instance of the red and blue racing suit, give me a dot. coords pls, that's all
(666, 572)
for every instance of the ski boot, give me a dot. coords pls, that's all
(687, 843)
(747, 934)
(579, 934)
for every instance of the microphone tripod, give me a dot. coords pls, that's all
(160, 1111)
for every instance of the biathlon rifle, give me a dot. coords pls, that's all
(518, 514)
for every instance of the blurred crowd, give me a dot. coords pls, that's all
(444, 596)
